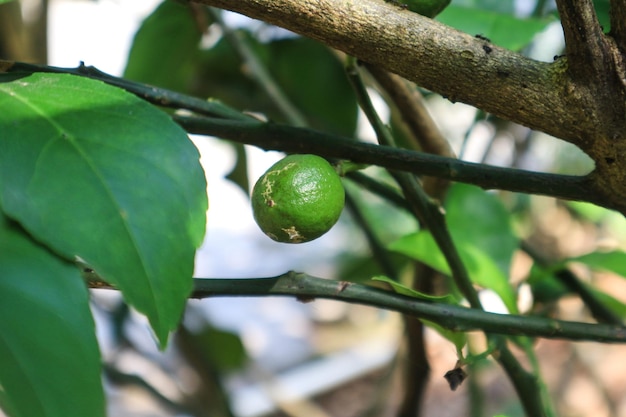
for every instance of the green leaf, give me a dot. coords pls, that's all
(94, 172)
(239, 174)
(546, 288)
(612, 303)
(306, 71)
(603, 9)
(589, 211)
(459, 339)
(504, 30)
(501, 6)
(482, 270)
(478, 218)
(49, 358)
(222, 76)
(410, 292)
(614, 261)
(481, 228)
(314, 80)
(165, 49)
(222, 349)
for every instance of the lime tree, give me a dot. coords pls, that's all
(298, 199)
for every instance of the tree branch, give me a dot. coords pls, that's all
(584, 40)
(289, 139)
(451, 317)
(432, 55)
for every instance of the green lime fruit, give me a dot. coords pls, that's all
(298, 199)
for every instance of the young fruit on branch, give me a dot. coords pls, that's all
(298, 199)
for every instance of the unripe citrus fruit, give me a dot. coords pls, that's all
(298, 199)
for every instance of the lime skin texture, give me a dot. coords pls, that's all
(298, 199)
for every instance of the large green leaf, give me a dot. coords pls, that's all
(314, 79)
(166, 47)
(480, 266)
(96, 173)
(481, 230)
(505, 30)
(478, 218)
(307, 72)
(49, 359)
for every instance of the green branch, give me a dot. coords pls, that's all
(451, 317)
(272, 136)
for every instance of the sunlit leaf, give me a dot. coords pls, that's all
(478, 218)
(94, 172)
(505, 30)
(49, 359)
(481, 268)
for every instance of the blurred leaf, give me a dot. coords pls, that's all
(306, 71)
(166, 47)
(588, 211)
(546, 288)
(603, 8)
(614, 261)
(223, 349)
(239, 173)
(502, 29)
(360, 268)
(315, 81)
(481, 268)
(49, 358)
(94, 172)
(410, 292)
(616, 306)
(223, 77)
(500, 6)
(459, 339)
(478, 218)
